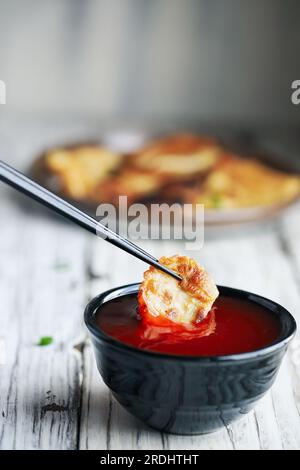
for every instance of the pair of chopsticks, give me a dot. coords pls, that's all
(22, 183)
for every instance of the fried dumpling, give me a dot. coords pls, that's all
(79, 169)
(177, 156)
(163, 299)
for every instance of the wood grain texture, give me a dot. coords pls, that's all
(43, 294)
(53, 397)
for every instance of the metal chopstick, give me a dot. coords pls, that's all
(22, 183)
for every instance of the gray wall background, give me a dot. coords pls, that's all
(216, 60)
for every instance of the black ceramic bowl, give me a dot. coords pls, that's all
(183, 394)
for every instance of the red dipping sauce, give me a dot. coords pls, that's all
(233, 326)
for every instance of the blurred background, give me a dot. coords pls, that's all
(214, 61)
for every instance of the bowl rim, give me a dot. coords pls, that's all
(281, 342)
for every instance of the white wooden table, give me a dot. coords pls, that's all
(52, 397)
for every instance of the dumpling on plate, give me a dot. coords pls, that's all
(177, 156)
(235, 183)
(136, 185)
(79, 169)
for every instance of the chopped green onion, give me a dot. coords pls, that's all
(45, 341)
(216, 200)
(61, 266)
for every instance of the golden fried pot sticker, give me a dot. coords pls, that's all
(188, 302)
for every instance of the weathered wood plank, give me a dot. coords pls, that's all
(266, 424)
(43, 292)
(42, 285)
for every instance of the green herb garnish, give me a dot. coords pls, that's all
(216, 200)
(61, 266)
(45, 341)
